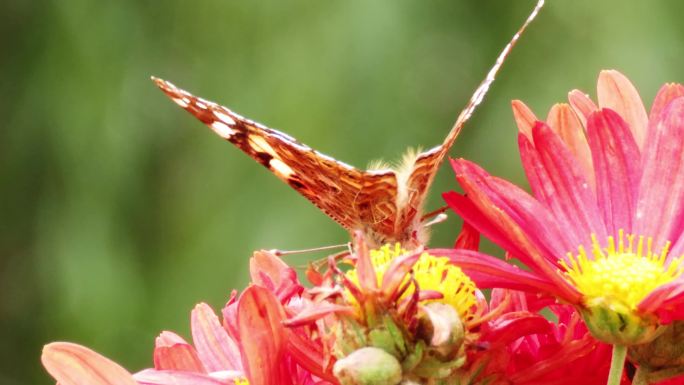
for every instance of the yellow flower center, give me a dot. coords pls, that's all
(622, 274)
(241, 381)
(430, 273)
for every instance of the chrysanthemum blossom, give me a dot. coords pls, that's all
(603, 227)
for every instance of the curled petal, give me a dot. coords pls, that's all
(72, 364)
(468, 238)
(178, 357)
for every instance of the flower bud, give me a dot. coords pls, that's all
(442, 328)
(615, 324)
(368, 366)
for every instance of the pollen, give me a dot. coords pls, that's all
(623, 273)
(434, 274)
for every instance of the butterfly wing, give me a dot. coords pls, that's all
(427, 163)
(353, 198)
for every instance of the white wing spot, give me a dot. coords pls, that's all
(201, 105)
(280, 168)
(183, 102)
(222, 129)
(224, 118)
(261, 143)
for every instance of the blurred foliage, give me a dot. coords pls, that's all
(119, 211)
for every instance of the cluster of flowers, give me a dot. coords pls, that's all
(600, 239)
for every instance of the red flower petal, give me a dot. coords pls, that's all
(262, 337)
(72, 364)
(572, 198)
(618, 169)
(215, 348)
(616, 92)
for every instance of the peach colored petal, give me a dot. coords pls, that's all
(564, 121)
(167, 338)
(215, 347)
(666, 94)
(178, 357)
(73, 364)
(524, 117)
(616, 92)
(582, 104)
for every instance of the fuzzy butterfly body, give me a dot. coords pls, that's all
(385, 204)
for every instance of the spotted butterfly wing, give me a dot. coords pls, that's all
(384, 204)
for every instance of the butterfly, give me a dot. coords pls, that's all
(384, 204)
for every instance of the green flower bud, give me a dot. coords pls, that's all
(615, 324)
(368, 366)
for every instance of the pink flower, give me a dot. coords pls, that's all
(252, 346)
(603, 228)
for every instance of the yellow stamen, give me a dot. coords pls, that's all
(621, 273)
(431, 273)
(241, 381)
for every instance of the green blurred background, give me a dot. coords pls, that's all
(119, 211)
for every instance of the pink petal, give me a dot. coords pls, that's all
(262, 337)
(215, 347)
(666, 94)
(665, 298)
(397, 271)
(618, 169)
(616, 92)
(169, 377)
(491, 272)
(524, 118)
(582, 104)
(545, 192)
(484, 222)
(564, 121)
(72, 364)
(522, 222)
(660, 204)
(567, 191)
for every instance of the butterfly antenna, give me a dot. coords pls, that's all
(482, 89)
(281, 253)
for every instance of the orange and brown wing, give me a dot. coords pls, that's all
(353, 198)
(427, 163)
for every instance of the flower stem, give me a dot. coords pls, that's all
(617, 364)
